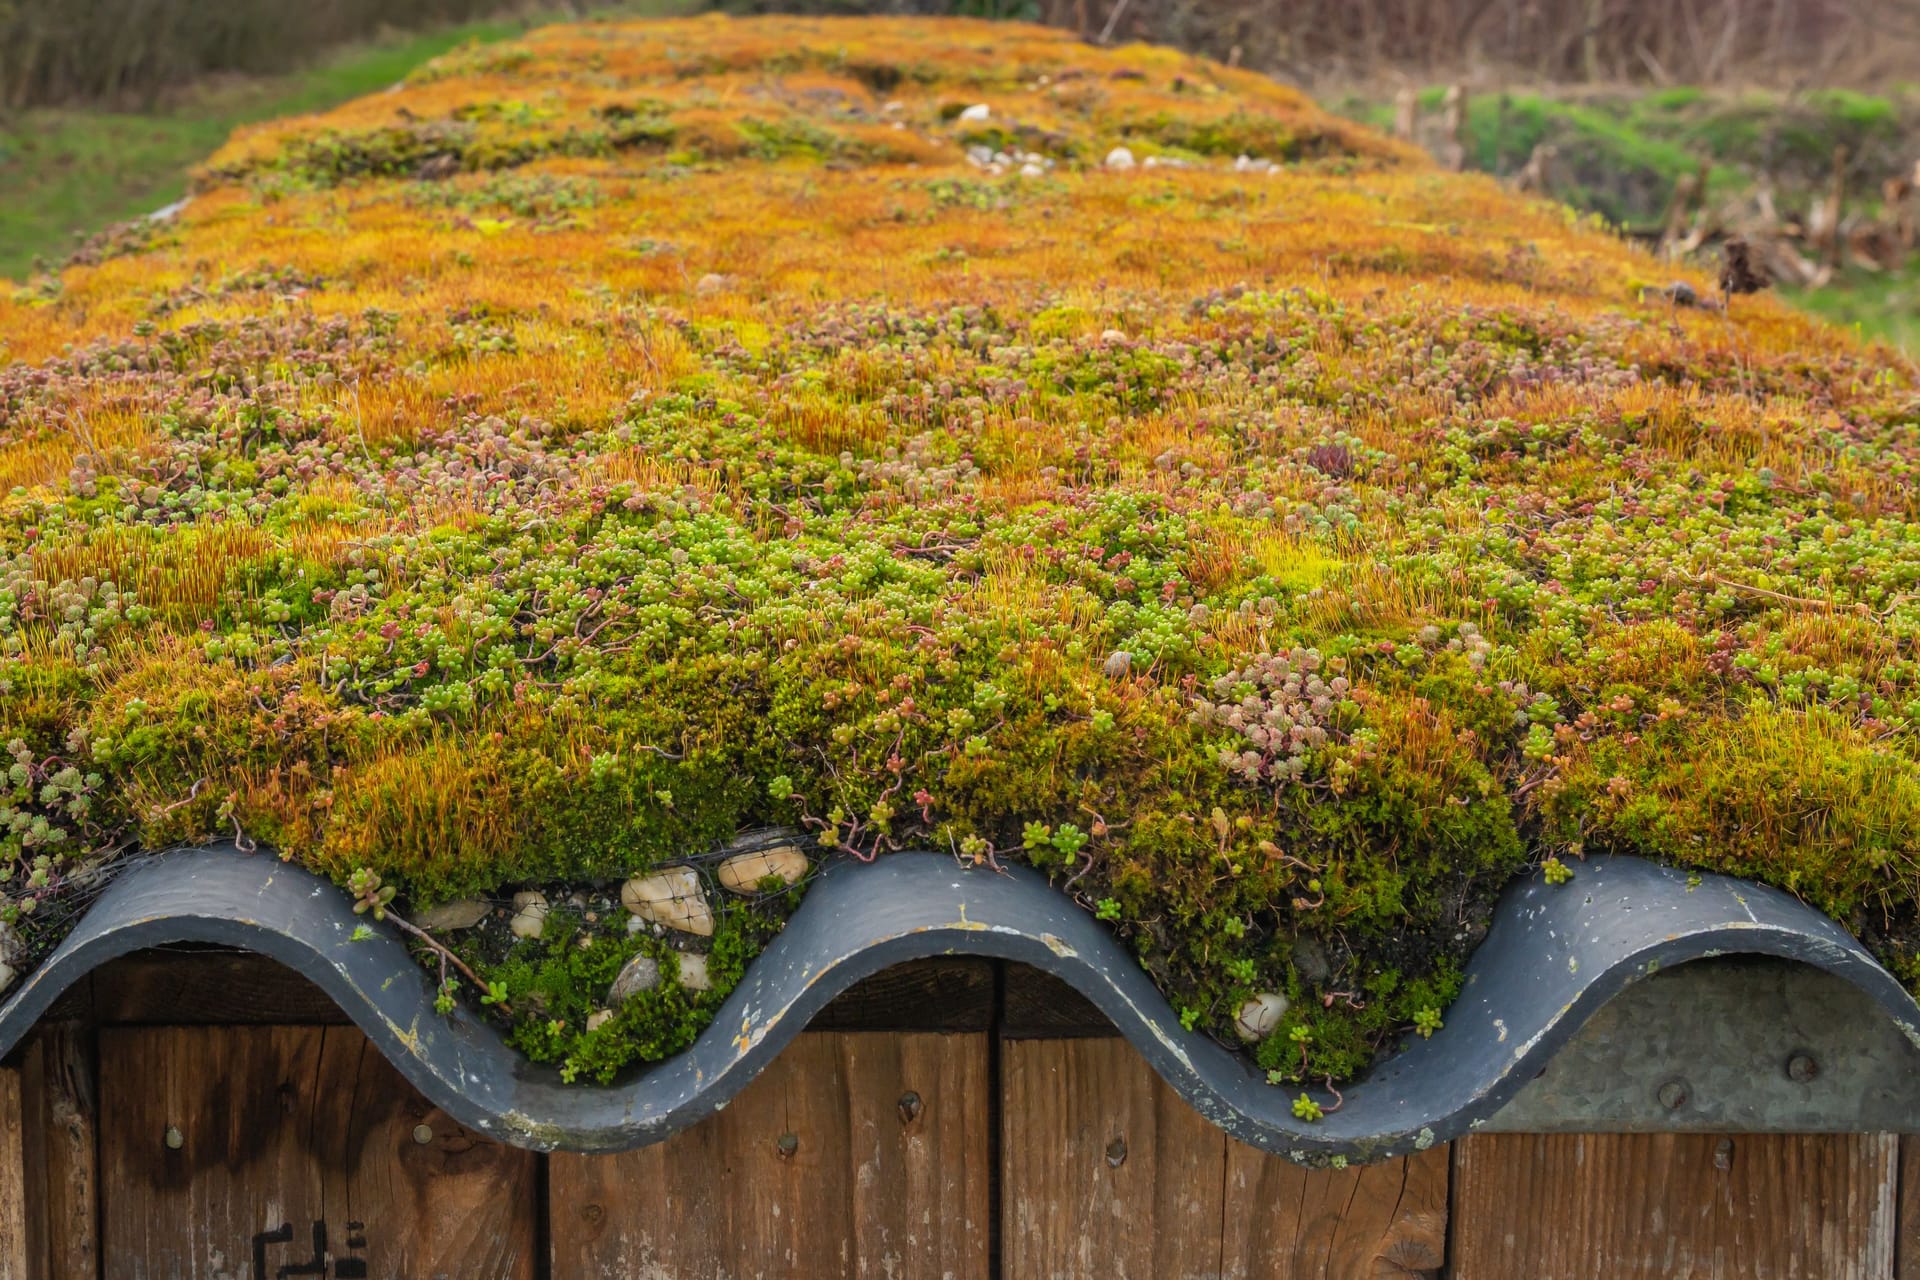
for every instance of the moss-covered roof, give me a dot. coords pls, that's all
(606, 444)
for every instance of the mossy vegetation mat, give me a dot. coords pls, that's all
(506, 494)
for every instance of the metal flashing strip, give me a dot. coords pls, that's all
(1553, 958)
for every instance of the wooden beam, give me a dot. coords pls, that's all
(854, 1154)
(1625, 1206)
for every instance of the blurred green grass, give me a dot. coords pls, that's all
(66, 173)
(1876, 305)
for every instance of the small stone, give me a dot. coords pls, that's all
(1119, 662)
(710, 283)
(693, 972)
(7, 975)
(529, 914)
(598, 1019)
(673, 898)
(1259, 1016)
(1032, 170)
(744, 872)
(893, 107)
(642, 973)
(461, 913)
(1119, 158)
(1110, 336)
(978, 111)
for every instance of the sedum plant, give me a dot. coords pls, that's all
(928, 434)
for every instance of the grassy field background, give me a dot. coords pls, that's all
(66, 173)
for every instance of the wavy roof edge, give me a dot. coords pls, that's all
(1554, 957)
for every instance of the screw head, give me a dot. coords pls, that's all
(786, 1144)
(174, 1138)
(1116, 1153)
(1802, 1068)
(423, 1134)
(910, 1107)
(1674, 1094)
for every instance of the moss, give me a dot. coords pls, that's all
(1279, 561)
(556, 983)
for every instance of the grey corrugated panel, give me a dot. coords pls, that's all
(1553, 957)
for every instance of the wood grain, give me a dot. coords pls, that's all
(1759, 1206)
(943, 993)
(60, 1088)
(1376, 1221)
(817, 1169)
(207, 986)
(1108, 1172)
(1039, 1006)
(294, 1142)
(15, 1177)
(1907, 1233)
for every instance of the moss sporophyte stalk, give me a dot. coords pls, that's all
(507, 494)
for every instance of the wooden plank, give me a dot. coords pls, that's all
(822, 1167)
(1108, 1172)
(1759, 1206)
(1378, 1221)
(60, 1089)
(15, 1177)
(176, 987)
(1907, 1235)
(944, 993)
(1039, 1006)
(230, 1151)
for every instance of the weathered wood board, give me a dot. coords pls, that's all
(1631, 1206)
(48, 1204)
(854, 1154)
(245, 1151)
(1108, 1173)
(944, 1145)
(15, 1248)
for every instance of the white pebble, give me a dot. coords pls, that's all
(598, 1019)
(744, 872)
(461, 913)
(1259, 1016)
(978, 111)
(529, 914)
(1119, 158)
(693, 972)
(672, 897)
